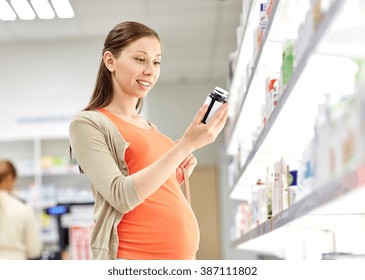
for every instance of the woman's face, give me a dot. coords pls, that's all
(137, 68)
(8, 183)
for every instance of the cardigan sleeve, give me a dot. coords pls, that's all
(91, 151)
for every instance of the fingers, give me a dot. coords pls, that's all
(199, 134)
(223, 119)
(186, 160)
(200, 114)
(179, 175)
(220, 117)
(192, 162)
(189, 161)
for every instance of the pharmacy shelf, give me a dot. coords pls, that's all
(323, 234)
(231, 130)
(57, 171)
(334, 198)
(331, 218)
(274, 27)
(240, 53)
(244, 34)
(288, 91)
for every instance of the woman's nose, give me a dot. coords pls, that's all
(149, 69)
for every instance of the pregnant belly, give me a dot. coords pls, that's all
(160, 228)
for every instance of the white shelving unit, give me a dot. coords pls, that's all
(46, 174)
(330, 219)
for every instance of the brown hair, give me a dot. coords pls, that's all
(7, 168)
(118, 38)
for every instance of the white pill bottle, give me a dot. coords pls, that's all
(214, 100)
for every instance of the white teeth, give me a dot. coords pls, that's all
(144, 83)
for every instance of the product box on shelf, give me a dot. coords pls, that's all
(287, 67)
(338, 139)
(263, 18)
(305, 175)
(292, 186)
(272, 96)
(259, 203)
(242, 220)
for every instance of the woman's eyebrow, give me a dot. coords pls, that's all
(146, 52)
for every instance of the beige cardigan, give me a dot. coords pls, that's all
(99, 150)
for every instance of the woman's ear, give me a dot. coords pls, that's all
(109, 61)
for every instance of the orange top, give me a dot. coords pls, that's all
(164, 225)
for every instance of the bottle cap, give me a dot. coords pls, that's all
(221, 92)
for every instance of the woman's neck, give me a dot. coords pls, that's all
(127, 108)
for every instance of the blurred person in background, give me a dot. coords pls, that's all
(19, 232)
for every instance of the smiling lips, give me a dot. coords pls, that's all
(144, 83)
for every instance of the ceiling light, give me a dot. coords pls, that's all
(63, 8)
(43, 9)
(6, 12)
(23, 9)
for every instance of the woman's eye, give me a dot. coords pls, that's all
(157, 62)
(140, 59)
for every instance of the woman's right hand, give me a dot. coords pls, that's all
(199, 134)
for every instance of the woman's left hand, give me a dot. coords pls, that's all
(189, 163)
